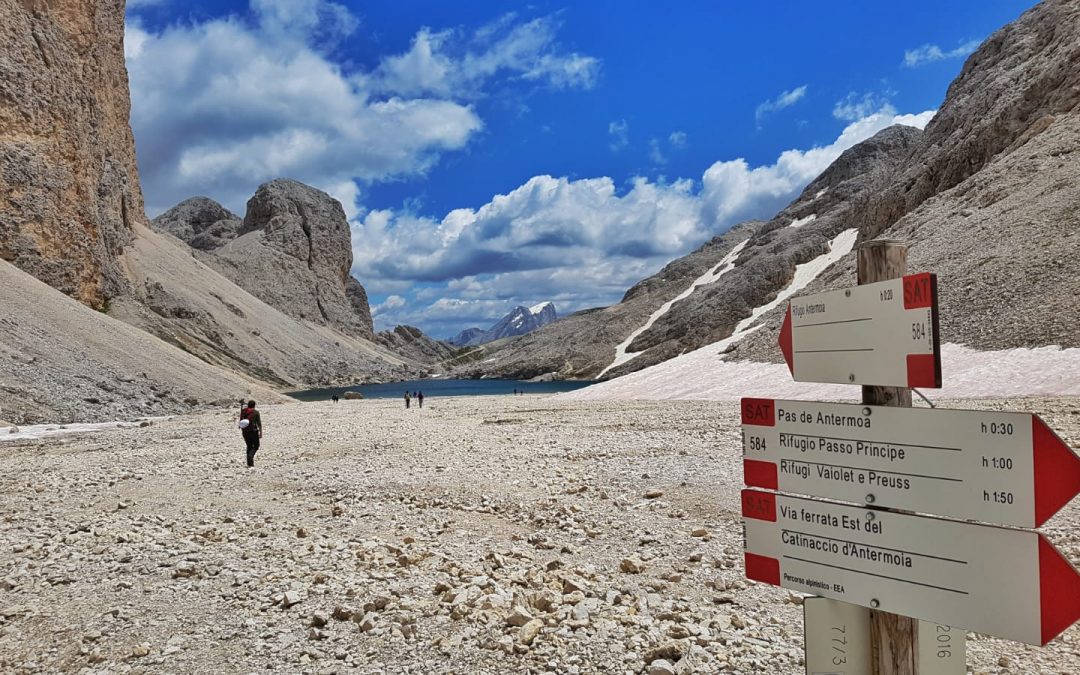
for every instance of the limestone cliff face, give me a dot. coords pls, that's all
(295, 226)
(69, 186)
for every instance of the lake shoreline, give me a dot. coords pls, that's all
(441, 388)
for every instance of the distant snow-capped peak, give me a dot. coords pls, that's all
(519, 321)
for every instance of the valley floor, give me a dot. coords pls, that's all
(477, 535)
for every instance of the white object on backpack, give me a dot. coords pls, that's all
(244, 423)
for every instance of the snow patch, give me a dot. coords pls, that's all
(821, 192)
(799, 222)
(969, 373)
(723, 267)
(536, 309)
(33, 432)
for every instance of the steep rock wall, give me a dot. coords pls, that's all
(69, 186)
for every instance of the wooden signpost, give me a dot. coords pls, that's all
(838, 641)
(1005, 468)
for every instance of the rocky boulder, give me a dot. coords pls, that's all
(67, 157)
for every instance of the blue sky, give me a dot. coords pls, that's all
(490, 156)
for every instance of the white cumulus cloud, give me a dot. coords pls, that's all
(222, 105)
(857, 106)
(733, 191)
(546, 223)
(391, 303)
(655, 153)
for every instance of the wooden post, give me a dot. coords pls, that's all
(892, 637)
(881, 260)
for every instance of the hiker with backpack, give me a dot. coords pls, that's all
(251, 428)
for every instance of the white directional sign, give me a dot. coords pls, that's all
(883, 334)
(997, 467)
(1008, 583)
(838, 641)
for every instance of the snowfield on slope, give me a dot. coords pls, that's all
(720, 269)
(839, 246)
(967, 373)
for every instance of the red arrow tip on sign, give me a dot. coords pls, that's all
(785, 340)
(1059, 591)
(1057, 471)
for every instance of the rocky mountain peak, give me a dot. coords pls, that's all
(303, 222)
(518, 321)
(292, 250)
(201, 222)
(411, 343)
(544, 312)
(467, 337)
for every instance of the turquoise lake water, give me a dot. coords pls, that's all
(435, 388)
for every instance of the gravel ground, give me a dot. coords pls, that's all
(478, 535)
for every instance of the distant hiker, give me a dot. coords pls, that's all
(334, 398)
(407, 399)
(420, 398)
(515, 392)
(251, 428)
